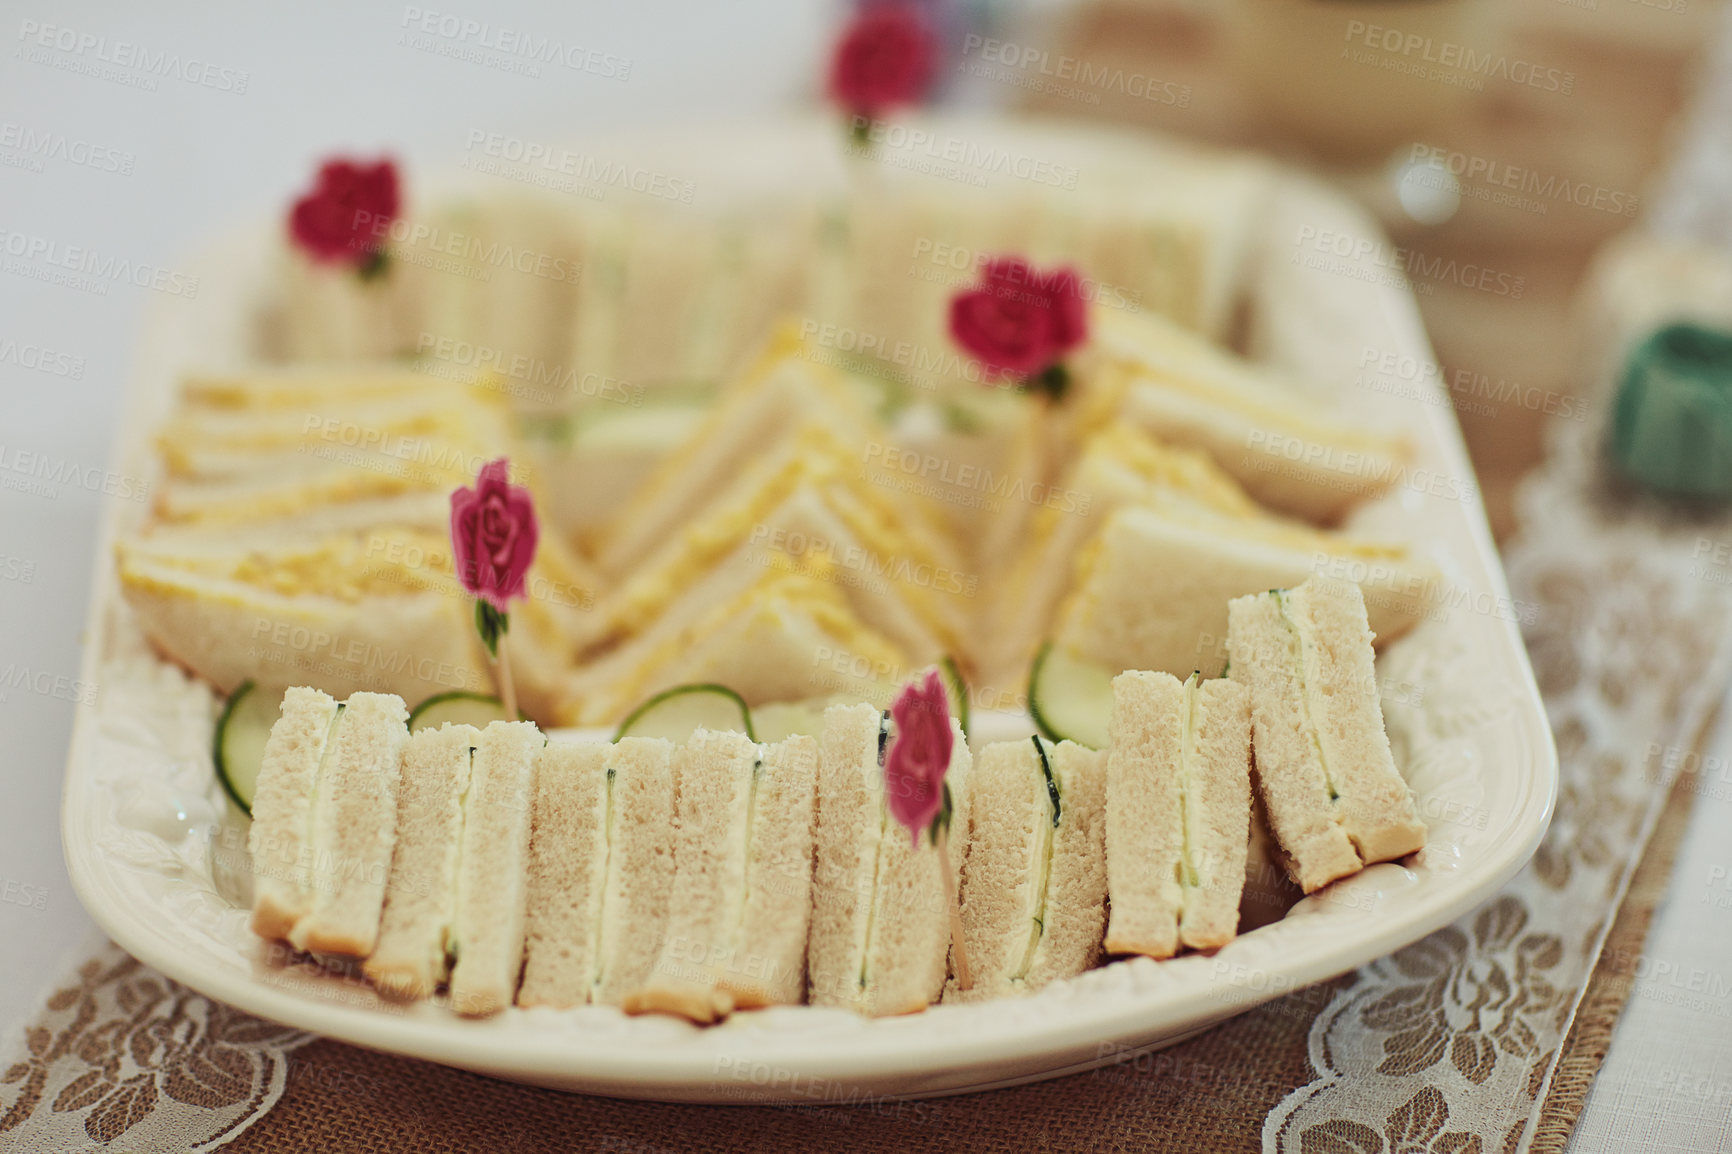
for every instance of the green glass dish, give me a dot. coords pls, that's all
(1672, 424)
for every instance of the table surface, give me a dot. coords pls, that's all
(324, 76)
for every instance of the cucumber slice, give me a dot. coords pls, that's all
(238, 747)
(784, 719)
(459, 708)
(677, 713)
(1070, 698)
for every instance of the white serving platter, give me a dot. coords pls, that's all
(153, 857)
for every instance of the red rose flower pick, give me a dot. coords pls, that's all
(493, 535)
(348, 211)
(884, 58)
(1020, 322)
(915, 789)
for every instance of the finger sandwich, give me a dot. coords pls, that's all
(601, 869)
(324, 820)
(880, 939)
(741, 898)
(491, 877)
(1035, 887)
(1335, 800)
(411, 958)
(1178, 812)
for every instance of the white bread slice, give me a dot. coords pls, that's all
(1035, 887)
(850, 828)
(229, 631)
(1257, 423)
(1217, 811)
(880, 936)
(354, 826)
(1323, 767)
(568, 858)
(778, 912)
(410, 958)
(741, 901)
(1178, 812)
(714, 774)
(492, 873)
(640, 866)
(1152, 591)
(281, 836)
(1118, 466)
(365, 598)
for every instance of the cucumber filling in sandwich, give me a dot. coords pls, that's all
(1307, 691)
(739, 918)
(314, 882)
(1040, 866)
(1190, 811)
(607, 911)
(1034, 881)
(319, 778)
(1335, 798)
(453, 947)
(877, 858)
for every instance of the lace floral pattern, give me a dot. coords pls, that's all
(1464, 1026)
(124, 1053)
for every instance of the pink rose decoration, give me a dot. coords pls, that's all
(344, 217)
(493, 535)
(884, 59)
(1019, 322)
(919, 756)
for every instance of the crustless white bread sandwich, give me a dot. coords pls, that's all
(741, 898)
(492, 891)
(880, 940)
(1134, 569)
(1178, 812)
(411, 958)
(784, 636)
(600, 870)
(758, 418)
(324, 820)
(1334, 798)
(568, 862)
(1256, 422)
(1035, 887)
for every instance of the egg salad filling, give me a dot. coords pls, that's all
(818, 460)
(348, 567)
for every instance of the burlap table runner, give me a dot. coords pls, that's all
(1483, 1036)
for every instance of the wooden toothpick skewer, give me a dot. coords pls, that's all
(941, 842)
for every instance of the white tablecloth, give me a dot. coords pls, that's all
(1666, 1084)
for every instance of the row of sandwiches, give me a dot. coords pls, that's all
(794, 522)
(786, 549)
(721, 873)
(658, 291)
(300, 534)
